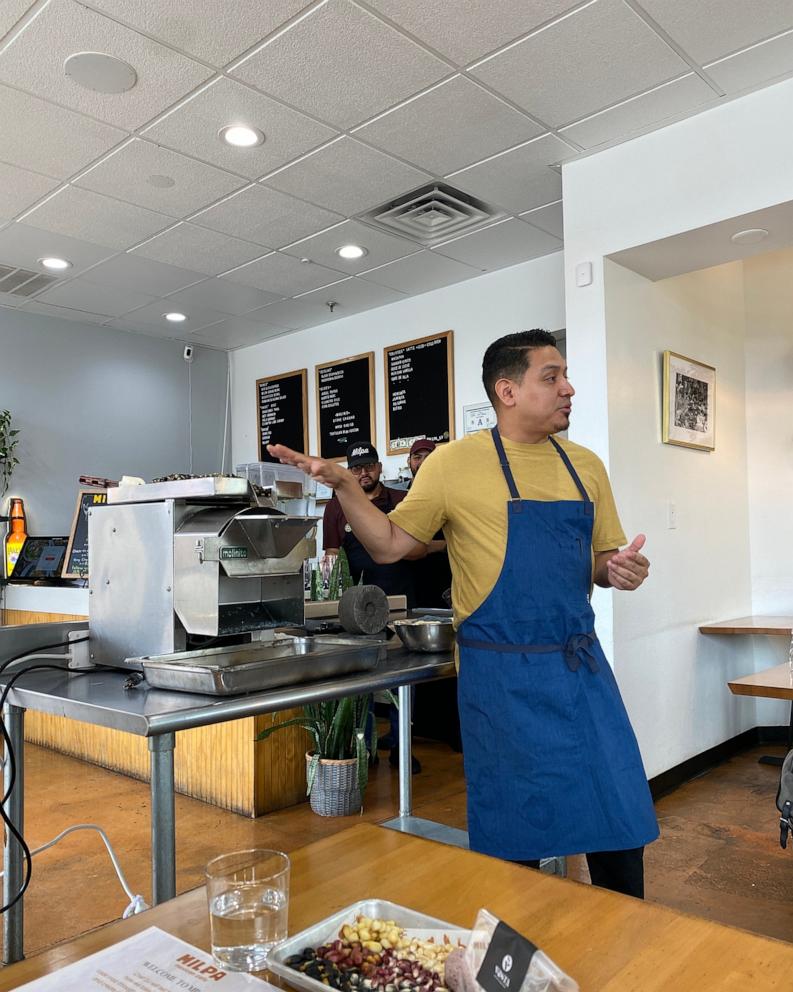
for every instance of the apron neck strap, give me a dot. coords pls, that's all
(510, 479)
(502, 457)
(564, 456)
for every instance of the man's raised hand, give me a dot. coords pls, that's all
(627, 569)
(327, 472)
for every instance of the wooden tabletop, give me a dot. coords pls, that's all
(607, 942)
(780, 626)
(773, 683)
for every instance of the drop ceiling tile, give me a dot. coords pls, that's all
(760, 64)
(193, 128)
(48, 139)
(381, 247)
(548, 219)
(420, 272)
(519, 179)
(10, 13)
(503, 244)
(83, 214)
(471, 28)
(136, 173)
(191, 247)
(352, 296)
(20, 188)
(78, 294)
(150, 318)
(237, 332)
(601, 54)
(347, 177)
(222, 295)
(283, 275)
(710, 28)
(128, 271)
(23, 246)
(266, 217)
(296, 315)
(341, 64)
(453, 125)
(34, 62)
(681, 97)
(213, 30)
(64, 313)
(11, 302)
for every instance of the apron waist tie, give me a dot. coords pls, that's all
(576, 649)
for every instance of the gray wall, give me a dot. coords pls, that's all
(92, 400)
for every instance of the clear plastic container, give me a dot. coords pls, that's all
(543, 975)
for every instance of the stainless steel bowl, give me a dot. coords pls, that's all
(426, 635)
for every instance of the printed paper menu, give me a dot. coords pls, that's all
(151, 961)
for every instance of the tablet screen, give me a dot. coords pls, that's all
(39, 558)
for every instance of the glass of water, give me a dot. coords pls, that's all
(248, 895)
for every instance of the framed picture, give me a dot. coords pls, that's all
(689, 402)
(478, 417)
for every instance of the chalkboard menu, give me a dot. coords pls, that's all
(76, 563)
(419, 382)
(282, 412)
(345, 404)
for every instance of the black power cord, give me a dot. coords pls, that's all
(11, 757)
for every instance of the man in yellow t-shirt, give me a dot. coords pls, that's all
(551, 762)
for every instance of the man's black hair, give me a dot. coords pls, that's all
(510, 356)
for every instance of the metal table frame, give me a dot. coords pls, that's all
(100, 698)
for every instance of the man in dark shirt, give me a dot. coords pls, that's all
(395, 579)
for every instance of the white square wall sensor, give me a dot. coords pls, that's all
(583, 274)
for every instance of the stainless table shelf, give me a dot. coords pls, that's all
(100, 698)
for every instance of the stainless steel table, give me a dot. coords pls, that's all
(100, 698)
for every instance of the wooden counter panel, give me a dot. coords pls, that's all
(222, 764)
(773, 683)
(773, 626)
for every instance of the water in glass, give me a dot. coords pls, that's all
(247, 921)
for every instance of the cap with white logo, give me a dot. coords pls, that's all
(362, 453)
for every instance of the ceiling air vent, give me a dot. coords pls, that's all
(23, 282)
(433, 214)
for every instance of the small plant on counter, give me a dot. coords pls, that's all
(9, 439)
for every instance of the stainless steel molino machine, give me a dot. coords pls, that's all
(188, 581)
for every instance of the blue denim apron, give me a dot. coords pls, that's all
(551, 762)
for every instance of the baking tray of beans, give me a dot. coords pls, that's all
(371, 946)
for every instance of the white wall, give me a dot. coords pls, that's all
(768, 288)
(673, 679)
(722, 163)
(478, 311)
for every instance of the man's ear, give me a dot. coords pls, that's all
(505, 391)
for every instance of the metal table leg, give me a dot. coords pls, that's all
(405, 751)
(163, 818)
(13, 864)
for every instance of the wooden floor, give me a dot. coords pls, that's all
(718, 855)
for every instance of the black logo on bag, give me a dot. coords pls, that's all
(506, 960)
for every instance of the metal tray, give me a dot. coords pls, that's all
(328, 929)
(228, 671)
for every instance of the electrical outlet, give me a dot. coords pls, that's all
(671, 515)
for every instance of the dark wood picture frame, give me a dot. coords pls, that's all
(345, 361)
(65, 573)
(303, 373)
(449, 336)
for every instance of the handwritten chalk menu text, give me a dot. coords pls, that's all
(419, 380)
(76, 557)
(282, 412)
(345, 404)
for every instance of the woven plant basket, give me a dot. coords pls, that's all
(335, 789)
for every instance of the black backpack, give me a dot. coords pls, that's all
(784, 799)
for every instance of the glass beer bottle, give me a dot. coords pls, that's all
(16, 534)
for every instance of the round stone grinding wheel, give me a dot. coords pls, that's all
(363, 610)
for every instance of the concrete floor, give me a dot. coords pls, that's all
(718, 855)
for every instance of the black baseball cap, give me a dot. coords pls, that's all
(362, 453)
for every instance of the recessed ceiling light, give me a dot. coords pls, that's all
(100, 72)
(752, 236)
(175, 317)
(58, 264)
(241, 135)
(351, 251)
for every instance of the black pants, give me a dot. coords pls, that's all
(620, 871)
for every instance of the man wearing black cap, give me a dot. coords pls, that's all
(395, 579)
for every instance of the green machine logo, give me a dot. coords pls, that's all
(233, 553)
